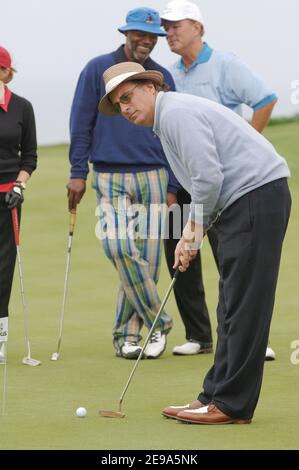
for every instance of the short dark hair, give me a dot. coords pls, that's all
(163, 87)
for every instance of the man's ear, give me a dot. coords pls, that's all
(200, 28)
(150, 86)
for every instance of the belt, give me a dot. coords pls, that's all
(4, 188)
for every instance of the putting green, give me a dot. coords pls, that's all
(41, 401)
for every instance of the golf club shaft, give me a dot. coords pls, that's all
(68, 261)
(4, 380)
(149, 336)
(24, 304)
(15, 221)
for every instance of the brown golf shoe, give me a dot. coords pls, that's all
(208, 415)
(173, 411)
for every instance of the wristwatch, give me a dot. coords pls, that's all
(21, 184)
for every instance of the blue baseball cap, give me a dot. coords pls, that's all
(143, 19)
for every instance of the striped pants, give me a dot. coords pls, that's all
(127, 203)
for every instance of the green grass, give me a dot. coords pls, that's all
(284, 120)
(41, 401)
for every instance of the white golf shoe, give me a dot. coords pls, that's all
(156, 345)
(191, 348)
(270, 354)
(130, 350)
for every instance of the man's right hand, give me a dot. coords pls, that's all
(75, 191)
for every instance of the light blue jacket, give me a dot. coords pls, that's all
(214, 153)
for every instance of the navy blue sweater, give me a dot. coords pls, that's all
(112, 144)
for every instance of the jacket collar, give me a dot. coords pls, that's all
(203, 57)
(7, 98)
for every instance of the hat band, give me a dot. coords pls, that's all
(114, 82)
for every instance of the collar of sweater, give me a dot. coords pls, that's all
(5, 95)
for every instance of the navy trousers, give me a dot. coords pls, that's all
(250, 235)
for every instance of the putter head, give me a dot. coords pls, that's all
(111, 414)
(55, 356)
(28, 361)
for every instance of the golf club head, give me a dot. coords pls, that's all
(28, 361)
(111, 414)
(55, 356)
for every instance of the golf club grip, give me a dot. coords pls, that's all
(15, 223)
(72, 221)
(177, 272)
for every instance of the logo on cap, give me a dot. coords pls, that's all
(150, 19)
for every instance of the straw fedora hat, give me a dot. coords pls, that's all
(123, 72)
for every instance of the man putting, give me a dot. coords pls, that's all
(239, 183)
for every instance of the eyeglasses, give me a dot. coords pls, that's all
(124, 99)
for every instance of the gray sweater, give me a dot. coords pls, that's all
(214, 153)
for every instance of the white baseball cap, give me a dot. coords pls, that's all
(178, 10)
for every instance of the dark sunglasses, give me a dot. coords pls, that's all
(124, 99)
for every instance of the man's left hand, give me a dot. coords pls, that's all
(184, 253)
(171, 199)
(188, 246)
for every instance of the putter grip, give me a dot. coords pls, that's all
(72, 221)
(177, 272)
(15, 223)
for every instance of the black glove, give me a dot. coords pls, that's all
(14, 197)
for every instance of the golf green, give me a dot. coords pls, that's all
(41, 401)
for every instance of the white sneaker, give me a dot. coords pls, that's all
(192, 347)
(156, 345)
(130, 350)
(270, 354)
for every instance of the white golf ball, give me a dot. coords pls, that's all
(81, 412)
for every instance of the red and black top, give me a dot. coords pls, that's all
(18, 147)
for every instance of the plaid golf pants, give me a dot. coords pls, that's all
(128, 204)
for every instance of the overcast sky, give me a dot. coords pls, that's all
(51, 41)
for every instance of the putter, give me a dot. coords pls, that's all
(3, 358)
(119, 413)
(28, 360)
(55, 356)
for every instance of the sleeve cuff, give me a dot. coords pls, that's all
(171, 188)
(79, 175)
(264, 102)
(196, 214)
(28, 169)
